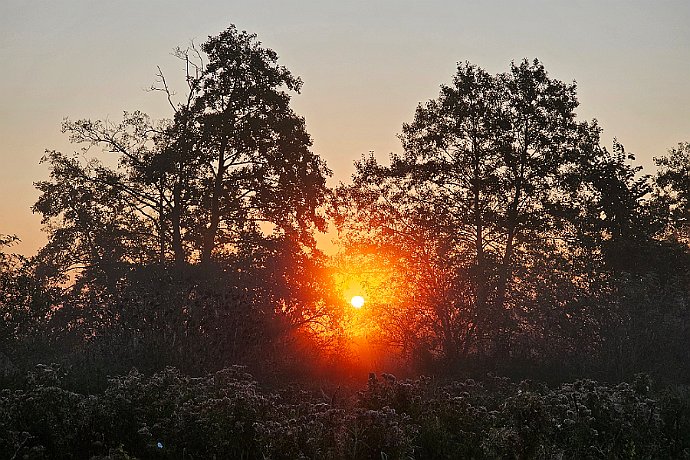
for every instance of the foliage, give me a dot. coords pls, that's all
(228, 415)
(26, 302)
(673, 190)
(506, 216)
(232, 167)
(189, 241)
(503, 238)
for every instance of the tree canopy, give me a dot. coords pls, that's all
(509, 212)
(233, 164)
(503, 237)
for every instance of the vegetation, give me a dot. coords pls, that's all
(522, 239)
(228, 415)
(504, 240)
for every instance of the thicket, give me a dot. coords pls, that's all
(228, 414)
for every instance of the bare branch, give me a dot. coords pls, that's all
(165, 88)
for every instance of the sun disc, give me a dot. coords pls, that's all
(357, 301)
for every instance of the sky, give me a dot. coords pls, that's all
(365, 66)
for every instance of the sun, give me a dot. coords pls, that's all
(357, 301)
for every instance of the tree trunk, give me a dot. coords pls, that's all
(161, 223)
(505, 271)
(175, 218)
(212, 229)
(481, 313)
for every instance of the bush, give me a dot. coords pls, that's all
(228, 415)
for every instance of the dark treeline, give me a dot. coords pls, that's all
(531, 247)
(510, 240)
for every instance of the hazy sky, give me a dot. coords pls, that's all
(365, 66)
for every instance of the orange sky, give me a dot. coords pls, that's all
(365, 66)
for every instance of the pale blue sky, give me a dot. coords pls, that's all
(365, 66)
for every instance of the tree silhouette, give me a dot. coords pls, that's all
(234, 156)
(228, 190)
(249, 149)
(489, 200)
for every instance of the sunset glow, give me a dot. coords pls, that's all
(345, 230)
(370, 287)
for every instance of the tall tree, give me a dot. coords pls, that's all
(233, 163)
(485, 168)
(255, 163)
(229, 184)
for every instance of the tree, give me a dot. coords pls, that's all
(25, 307)
(672, 183)
(227, 190)
(234, 162)
(646, 249)
(250, 149)
(480, 196)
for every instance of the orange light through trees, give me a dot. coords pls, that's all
(373, 287)
(357, 301)
(370, 278)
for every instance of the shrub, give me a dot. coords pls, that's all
(228, 415)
